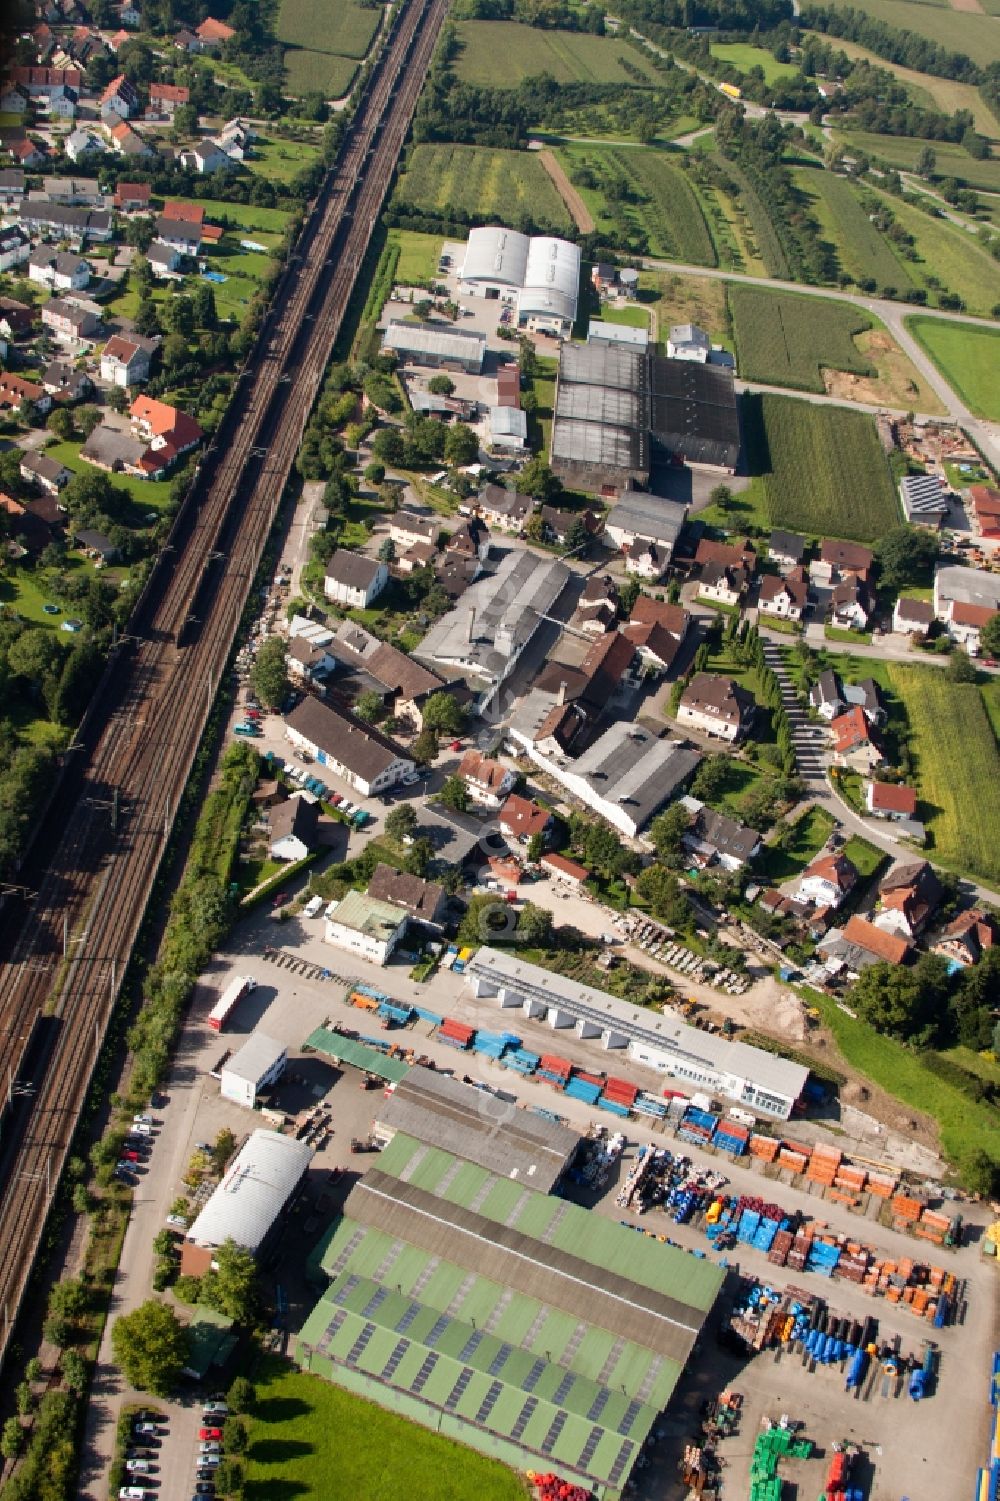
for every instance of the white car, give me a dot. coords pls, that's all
(141, 1129)
(409, 777)
(216, 1410)
(143, 1120)
(313, 907)
(211, 1460)
(132, 1493)
(210, 1446)
(138, 1466)
(177, 1221)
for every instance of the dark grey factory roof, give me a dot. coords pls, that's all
(650, 516)
(473, 1124)
(609, 365)
(598, 443)
(632, 768)
(694, 410)
(358, 746)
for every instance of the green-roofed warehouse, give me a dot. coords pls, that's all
(511, 1320)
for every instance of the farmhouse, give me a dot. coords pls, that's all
(908, 898)
(441, 347)
(368, 760)
(853, 742)
(968, 937)
(641, 518)
(716, 706)
(424, 901)
(912, 617)
(785, 597)
(964, 600)
(540, 273)
(488, 781)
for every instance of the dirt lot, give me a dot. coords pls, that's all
(897, 384)
(582, 217)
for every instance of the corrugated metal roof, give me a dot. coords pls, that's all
(257, 1055)
(257, 1186)
(357, 1055)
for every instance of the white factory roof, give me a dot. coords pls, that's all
(616, 333)
(496, 615)
(441, 343)
(258, 1054)
(967, 586)
(543, 270)
(508, 422)
(496, 254)
(257, 1186)
(665, 1033)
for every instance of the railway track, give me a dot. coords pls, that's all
(96, 854)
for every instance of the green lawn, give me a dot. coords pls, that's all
(242, 217)
(965, 1126)
(504, 53)
(861, 249)
(866, 858)
(308, 72)
(744, 56)
(346, 28)
(482, 183)
(149, 495)
(810, 833)
(978, 36)
(281, 160)
(311, 1439)
(968, 357)
(418, 255)
(950, 254)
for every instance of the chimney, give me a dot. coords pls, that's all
(562, 693)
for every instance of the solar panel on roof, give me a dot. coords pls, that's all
(439, 1326)
(488, 1403)
(599, 1403)
(420, 1379)
(345, 1255)
(632, 1411)
(499, 1360)
(376, 1300)
(524, 1417)
(590, 1447)
(360, 1344)
(618, 1468)
(552, 1437)
(472, 1344)
(562, 1391)
(454, 1396)
(332, 1330)
(408, 1318)
(534, 1375)
(389, 1369)
(343, 1293)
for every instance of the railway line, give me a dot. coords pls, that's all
(95, 856)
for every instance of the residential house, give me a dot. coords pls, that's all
(784, 597)
(892, 800)
(48, 474)
(27, 154)
(212, 33)
(65, 383)
(736, 554)
(407, 528)
(716, 706)
(723, 584)
(673, 619)
(308, 661)
(871, 945)
(908, 898)
(66, 221)
(656, 646)
(59, 270)
(521, 819)
(851, 605)
(83, 142)
(646, 560)
(11, 184)
(787, 549)
(72, 322)
(455, 574)
(43, 83)
(827, 880)
(165, 262)
(712, 836)
(965, 624)
(132, 197)
(560, 526)
(966, 939)
(15, 391)
(686, 341)
(912, 617)
(292, 827)
(964, 600)
(12, 100)
(168, 431)
(597, 611)
(364, 926)
(186, 41)
(165, 98)
(125, 361)
(839, 561)
(489, 782)
(354, 580)
(206, 156)
(62, 105)
(504, 510)
(367, 759)
(121, 99)
(129, 15)
(96, 545)
(408, 684)
(424, 901)
(470, 540)
(638, 517)
(46, 508)
(185, 235)
(865, 695)
(420, 555)
(568, 872)
(28, 534)
(128, 142)
(825, 695)
(854, 744)
(15, 247)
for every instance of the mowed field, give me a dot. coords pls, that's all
(949, 254)
(863, 253)
(482, 184)
(978, 36)
(345, 29)
(823, 469)
(952, 160)
(318, 73)
(309, 1438)
(744, 56)
(784, 340)
(968, 358)
(957, 764)
(501, 54)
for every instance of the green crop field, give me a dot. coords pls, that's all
(862, 252)
(978, 36)
(949, 254)
(952, 160)
(763, 237)
(318, 73)
(823, 468)
(967, 356)
(957, 764)
(482, 184)
(783, 339)
(345, 28)
(501, 54)
(309, 1438)
(744, 56)
(639, 190)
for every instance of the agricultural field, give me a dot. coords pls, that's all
(957, 791)
(976, 35)
(945, 94)
(744, 56)
(968, 357)
(345, 29)
(759, 235)
(863, 253)
(642, 191)
(950, 254)
(318, 73)
(823, 468)
(310, 1438)
(504, 53)
(784, 340)
(481, 184)
(952, 160)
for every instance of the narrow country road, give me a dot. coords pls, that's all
(892, 314)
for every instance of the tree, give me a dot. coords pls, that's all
(989, 636)
(242, 1395)
(904, 1003)
(661, 890)
(68, 1299)
(11, 1439)
(722, 497)
(577, 536)
(60, 423)
(370, 706)
(443, 712)
(231, 1285)
(906, 556)
(418, 856)
(537, 479)
(961, 668)
(425, 748)
(667, 829)
(269, 674)
(441, 385)
(400, 822)
(926, 163)
(151, 1346)
(234, 1435)
(710, 778)
(223, 1149)
(534, 926)
(74, 1370)
(455, 794)
(229, 1478)
(536, 848)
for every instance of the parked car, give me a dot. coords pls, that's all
(280, 899)
(138, 1466)
(212, 1458)
(143, 1426)
(209, 1432)
(215, 1408)
(143, 1120)
(209, 1447)
(132, 1493)
(130, 1154)
(177, 1221)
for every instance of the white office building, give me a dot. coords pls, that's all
(259, 1063)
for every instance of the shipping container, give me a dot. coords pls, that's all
(232, 995)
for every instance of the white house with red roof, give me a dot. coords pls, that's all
(121, 98)
(168, 431)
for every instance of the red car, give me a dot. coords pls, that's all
(280, 899)
(129, 1155)
(254, 713)
(209, 1433)
(455, 745)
